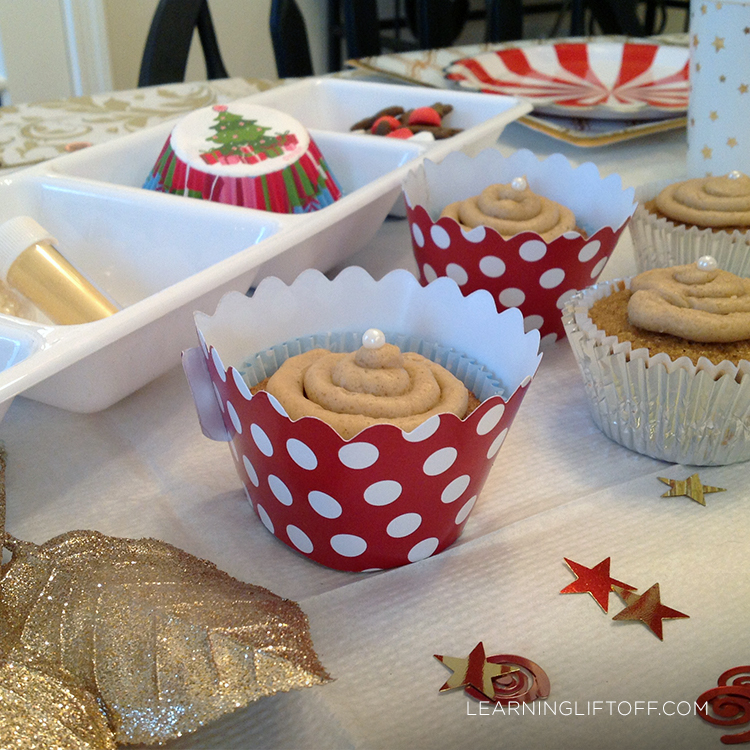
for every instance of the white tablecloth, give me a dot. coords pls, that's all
(559, 488)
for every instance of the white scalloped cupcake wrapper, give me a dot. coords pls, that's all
(659, 243)
(671, 410)
(475, 376)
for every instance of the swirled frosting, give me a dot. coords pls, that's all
(510, 211)
(695, 304)
(715, 202)
(353, 391)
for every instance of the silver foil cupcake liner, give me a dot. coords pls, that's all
(659, 243)
(668, 409)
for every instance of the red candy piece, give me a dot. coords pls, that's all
(400, 133)
(385, 124)
(424, 116)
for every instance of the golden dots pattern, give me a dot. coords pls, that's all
(706, 151)
(714, 116)
(718, 43)
(742, 88)
(731, 142)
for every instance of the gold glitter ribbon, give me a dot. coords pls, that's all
(106, 640)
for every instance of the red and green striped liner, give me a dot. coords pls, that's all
(304, 186)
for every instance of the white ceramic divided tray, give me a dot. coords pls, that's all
(162, 257)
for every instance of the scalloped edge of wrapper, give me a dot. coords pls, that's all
(660, 243)
(384, 498)
(669, 409)
(524, 271)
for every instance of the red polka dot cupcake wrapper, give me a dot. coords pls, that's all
(385, 498)
(524, 271)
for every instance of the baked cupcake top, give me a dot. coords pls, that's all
(513, 208)
(694, 310)
(711, 202)
(375, 384)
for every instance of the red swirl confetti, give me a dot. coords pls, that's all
(527, 683)
(729, 703)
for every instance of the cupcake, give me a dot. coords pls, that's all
(664, 357)
(395, 489)
(529, 232)
(246, 155)
(679, 222)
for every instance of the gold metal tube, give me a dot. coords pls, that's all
(45, 278)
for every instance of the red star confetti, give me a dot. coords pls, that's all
(729, 703)
(690, 487)
(647, 608)
(474, 671)
(595, 581)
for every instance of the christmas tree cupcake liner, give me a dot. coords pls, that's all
(385, 497)
(523, 271)
(256, 157)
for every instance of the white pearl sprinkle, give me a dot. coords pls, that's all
(373, 338)
(707, 263)
(519, 183)
(734, 175)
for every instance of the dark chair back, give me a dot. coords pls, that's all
(289, 38)
(168, 43)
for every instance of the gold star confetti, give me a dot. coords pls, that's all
(706, 151)
(697, 67)
(746, 30)
(743, 88)
(731, 142)
(703, 9)
(647, 608)
(474, 671)
(714, 116)
(722, 78)
(695, 40)
(718, 43)
(690, 487)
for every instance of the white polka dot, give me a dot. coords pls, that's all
(404, 525)
(250, 470)
(598, 268)
(532, 323)
(552, 278)
(491, 419)
(475, 235)
(301, 454)
(277, 405)
(463, 514)
(440, 237)
(299, 539)
(324, 505)
(219, 365)
(422, 550)
(496, 443)
(564, 298)
(383, 493)
(280, 490)
(234, 417)
(239, 381)
(218, 396)
(261, 440)
(423, 431)
(526, 381)
(455, 489)
(589, 250)
(416, 232)
(547, 340)
(533, 250)
(440, 461)
(429, 273)
(492, 266)
(457, 273)
(348, 545)
(511, 297)
(358, 455)
(572, 235)
(265, 518)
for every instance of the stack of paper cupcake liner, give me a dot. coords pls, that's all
(668, 409)
(659, 243)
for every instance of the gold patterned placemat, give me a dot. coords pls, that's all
(34, 132)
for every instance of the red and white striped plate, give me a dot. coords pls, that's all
(627, 80)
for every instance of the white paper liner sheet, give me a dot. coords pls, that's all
(472, 374)
(668, 409)
(659, 243)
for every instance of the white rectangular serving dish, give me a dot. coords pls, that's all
(164, 256)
